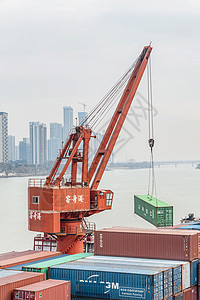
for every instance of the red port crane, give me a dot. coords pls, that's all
(59, 207)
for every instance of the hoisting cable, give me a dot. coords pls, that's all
(106, 98)
(101, 109)
(96, 113)
(152, 180)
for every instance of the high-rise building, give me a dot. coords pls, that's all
(3, 137)
(81, 116)
(55, 141)
(38, 143)
(11, 148)
(17, 152)
(53, 148)
(24, 151)
(68, 121)
(56, 130)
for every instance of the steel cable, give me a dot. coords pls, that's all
(100, 109)
(152, 179)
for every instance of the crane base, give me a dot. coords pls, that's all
(70, 244)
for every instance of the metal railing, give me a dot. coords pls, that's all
(84, 229)
(36, 182)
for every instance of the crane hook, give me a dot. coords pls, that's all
(151, 143)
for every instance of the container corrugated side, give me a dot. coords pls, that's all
(110, 281)
(191, 293)
(44, 266)
(153, 210)
(7, 284)
(19, 267)
(166, 270)
(47, 290)
(158, 243)
(192, 273)
(25, 259)
(178, 281)
(181, 269)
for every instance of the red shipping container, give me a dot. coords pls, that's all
(8, 284)
(147, 243)
(49, 289)
(12, 254)
(14, 261)
(191, 293)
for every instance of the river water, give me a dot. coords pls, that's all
(178, 186)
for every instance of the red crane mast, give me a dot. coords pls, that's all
(58, 207)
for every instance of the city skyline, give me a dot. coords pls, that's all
(37, 148)
(18, 139)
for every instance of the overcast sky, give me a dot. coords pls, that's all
(60, 52)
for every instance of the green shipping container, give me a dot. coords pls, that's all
(43, 267)
(153, 210)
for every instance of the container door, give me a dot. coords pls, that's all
(194, 272)
(177, 280)
(186, 275)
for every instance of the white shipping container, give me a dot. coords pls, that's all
(151, 262)
(186, 275)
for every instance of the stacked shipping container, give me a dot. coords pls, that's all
(8, 283)
(46, 290)
(111, 281)
(176, 275)
(130, 264)
(146, 243)
(42, 267)
(158, 244)
(19, 267)
(7, 261)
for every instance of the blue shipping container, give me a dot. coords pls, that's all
(167, 271)
(181, 269)
(194, 272)
(111, 281)
(190, 227)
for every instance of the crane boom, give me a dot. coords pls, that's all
(117, 121)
